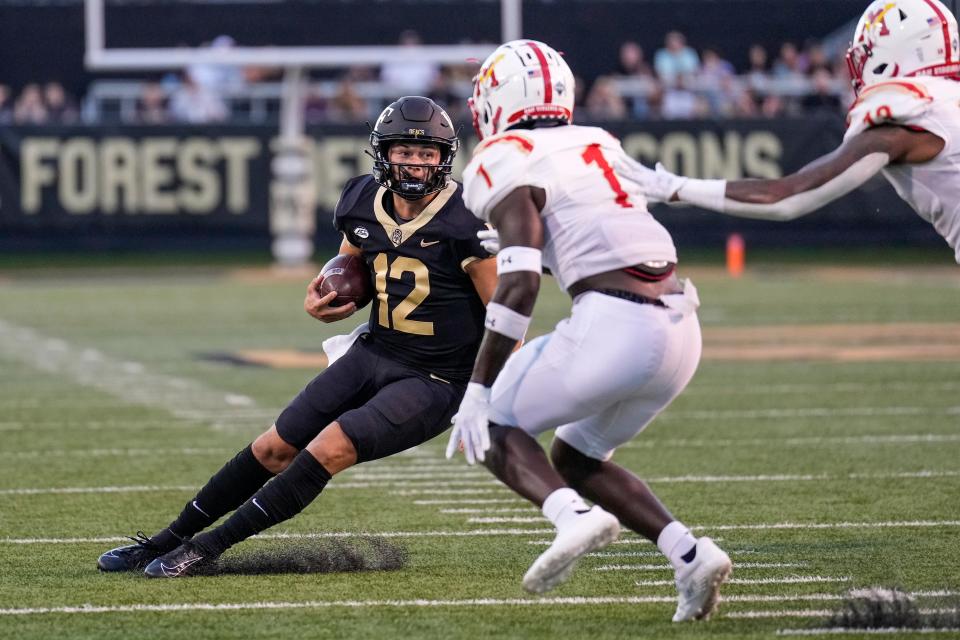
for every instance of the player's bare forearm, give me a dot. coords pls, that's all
(517, 219)
(899, 144)
(517, 291)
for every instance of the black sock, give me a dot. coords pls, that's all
(225, 491)
(286, 496)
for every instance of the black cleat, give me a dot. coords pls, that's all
(185, 560)
(132, 557)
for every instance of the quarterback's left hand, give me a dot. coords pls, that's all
(471, 425)
(489, 240)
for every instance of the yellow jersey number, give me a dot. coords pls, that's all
(398, 320)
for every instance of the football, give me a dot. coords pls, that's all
(350, 278)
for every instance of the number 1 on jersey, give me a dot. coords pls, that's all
(593, 155)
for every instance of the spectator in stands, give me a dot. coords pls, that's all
(788, 64)
(817, 60)
(758, 72)
(407, 76)
(6, 109)
(632, 61)
(675, 60)
(347, 105)
(218, 78)
(822, 98)
(604, 102)
(637, 83)
(681, 103)
(451, 89)
(29, 107)
(194, 103)
(61, 108)
(152, 106)
(715, 81)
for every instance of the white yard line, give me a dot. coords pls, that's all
(816, 387)
(129, 382)
(807, 441)
(311, 536)
(805, 412)
(520, 532)
(808, 613)
(752, 581)
(836, 631)
(667, 567)
(410, 603)
(471, 501)
(492, 510)
(445, 469)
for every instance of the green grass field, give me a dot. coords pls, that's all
(820, 441)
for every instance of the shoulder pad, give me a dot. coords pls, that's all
(893, 101)
(353, 192)
(499, 166)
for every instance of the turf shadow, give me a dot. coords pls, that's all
(312, 556)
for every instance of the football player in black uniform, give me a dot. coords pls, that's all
(398, 384)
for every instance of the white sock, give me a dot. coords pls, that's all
(675, 541)
(562, 505)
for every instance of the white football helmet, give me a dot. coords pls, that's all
(522, 80)
(901, 38)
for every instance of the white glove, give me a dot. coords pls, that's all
(657, 186)
(489, 240)
(471, 425)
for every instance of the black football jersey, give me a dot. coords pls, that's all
(426, 312)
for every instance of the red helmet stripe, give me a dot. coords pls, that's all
(946, 29)
(545, 72)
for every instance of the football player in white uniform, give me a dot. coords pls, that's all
(905, 123)
(631, 344)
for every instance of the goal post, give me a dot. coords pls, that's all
(292, 198)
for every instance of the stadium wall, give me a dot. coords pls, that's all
(86, 187)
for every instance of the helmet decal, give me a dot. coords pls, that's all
(522, 81)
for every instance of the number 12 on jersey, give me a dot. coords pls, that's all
(398, 320)
(593, 155)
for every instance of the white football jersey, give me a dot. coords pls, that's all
(594, 221)
(931, 104)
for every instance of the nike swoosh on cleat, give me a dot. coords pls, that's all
(176, 570)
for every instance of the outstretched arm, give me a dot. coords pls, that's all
(822, 181)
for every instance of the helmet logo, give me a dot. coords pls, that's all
(559, 87)
(361, 232)
(878, 17)
(416, 132)
(383, 116)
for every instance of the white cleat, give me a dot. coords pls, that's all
(698, 583)
(590, 531)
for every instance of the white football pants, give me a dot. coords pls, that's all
(604, 373)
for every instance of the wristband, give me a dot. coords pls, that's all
(518, 258)
(506, 321)
(709, 194)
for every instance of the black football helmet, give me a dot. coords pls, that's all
(419, 120)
